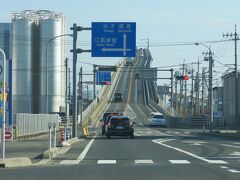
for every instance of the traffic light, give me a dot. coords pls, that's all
(181, 77)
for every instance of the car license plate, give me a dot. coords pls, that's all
(119, 127)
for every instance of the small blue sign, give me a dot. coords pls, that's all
(103, 78)
(113, 39)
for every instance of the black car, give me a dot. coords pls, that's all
(106, 118)
(119, 126)
(118, 97)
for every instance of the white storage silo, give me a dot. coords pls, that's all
(23, 57)
(51, 64)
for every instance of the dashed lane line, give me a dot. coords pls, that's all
(179, 162)
(146, 161)
(107, 162)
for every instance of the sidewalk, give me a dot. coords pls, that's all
(31, 148)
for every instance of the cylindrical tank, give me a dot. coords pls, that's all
(22, 29)
(51, 96)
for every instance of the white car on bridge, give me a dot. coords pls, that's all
(157, 119)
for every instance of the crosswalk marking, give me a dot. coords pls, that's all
(233, 171)
(107, 162)
(146, 161)
(179, 162)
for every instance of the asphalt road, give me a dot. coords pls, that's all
(154, 153)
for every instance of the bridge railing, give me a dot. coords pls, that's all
(99, 105)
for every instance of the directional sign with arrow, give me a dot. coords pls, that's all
(113, 39)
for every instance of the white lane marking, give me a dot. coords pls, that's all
(224, 167)
(227, 157)
(179, 162)
(107, 161)
(177, 132)
(69, 162)
(83, 154)
(146, 161)
(236, 153)
(163, 140)
(186, 132)
(233, 171)
(230, 146)
(194, 143)
(191, 154)
(217, 162)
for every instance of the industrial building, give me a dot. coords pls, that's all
(38, 61)
(231, 117)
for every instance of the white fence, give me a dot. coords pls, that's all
(28, 124)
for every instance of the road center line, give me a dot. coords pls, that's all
(83, 154)
(191, 154)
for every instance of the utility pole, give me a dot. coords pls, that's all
(236, 38)
(69, 86)
(185, 94)
(81, 94)
(74, 107)
(94, 81)
(176, 93)
(66, 89)
(198, 104)
(181, 88)
(192, 93)
(172, 87)
(203, 80)
(210, 94)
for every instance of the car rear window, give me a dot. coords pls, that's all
(158, 116)
(117, 120)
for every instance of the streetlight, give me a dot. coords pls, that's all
(3, 105)
(46, 98)
(210, 83)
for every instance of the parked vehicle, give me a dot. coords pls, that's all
(106, 117)
(120, 126)
(157, 119)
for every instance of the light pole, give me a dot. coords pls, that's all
(46, 98)
(210, 84)
(3, 105)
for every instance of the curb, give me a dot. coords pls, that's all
(15, 162)
(64, 147)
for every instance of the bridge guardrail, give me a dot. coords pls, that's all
(95, 111)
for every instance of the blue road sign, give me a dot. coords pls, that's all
(103, 78)
(113, 39)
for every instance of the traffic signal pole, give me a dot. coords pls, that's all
(75, 51)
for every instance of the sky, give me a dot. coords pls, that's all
(166, 23)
